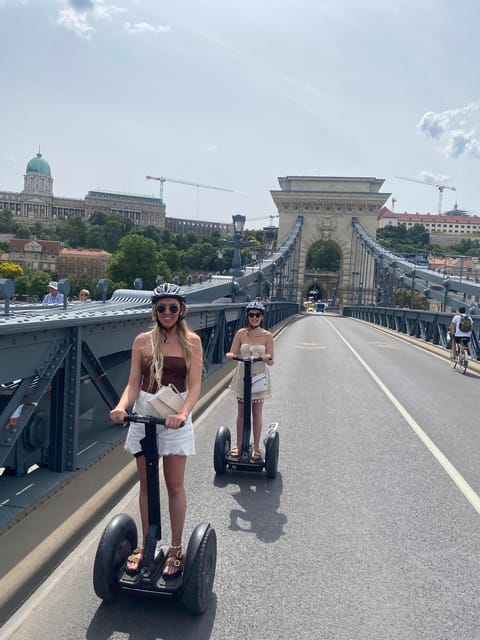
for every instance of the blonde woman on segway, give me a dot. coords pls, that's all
(169, 353)
(251, 340)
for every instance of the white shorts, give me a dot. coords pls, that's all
(179, 442)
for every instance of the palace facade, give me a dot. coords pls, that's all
(37, 203)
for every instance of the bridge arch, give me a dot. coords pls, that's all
(328, 205)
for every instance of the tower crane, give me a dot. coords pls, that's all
(271, 216)
(440, 188)
(162, 180)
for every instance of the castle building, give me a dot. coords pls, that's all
(37, 203)
(444, 228)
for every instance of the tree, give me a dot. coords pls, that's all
(323, 257)
(38, 284)
(21, 286)
(6, 220)
(74, 232)
(10, 270)
(137, 257)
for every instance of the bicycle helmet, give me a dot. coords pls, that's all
(168, 290)
(255, 304)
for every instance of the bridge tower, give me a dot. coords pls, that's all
(328, 205)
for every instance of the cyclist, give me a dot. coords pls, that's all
(460, 329)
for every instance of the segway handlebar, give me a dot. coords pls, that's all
(249, 359)
(133, 417)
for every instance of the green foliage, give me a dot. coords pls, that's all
(323, 257)
(136, 257)
(399, 239)
(21, 285)
(6, 221)
(74, 232)
(38, 284)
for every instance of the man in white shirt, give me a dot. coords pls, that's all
(460, 329)
(53, 297)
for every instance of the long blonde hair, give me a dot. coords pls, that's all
(158, 336)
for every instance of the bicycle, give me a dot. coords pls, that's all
(460, 357)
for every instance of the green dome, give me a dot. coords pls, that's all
(39, 165)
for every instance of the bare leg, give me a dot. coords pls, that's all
(174, 473)
(240, 417)
(257, 410)
(143, 496)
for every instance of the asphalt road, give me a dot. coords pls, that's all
(370, 530)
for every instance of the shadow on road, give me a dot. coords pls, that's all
(259, 501)
(146, 617)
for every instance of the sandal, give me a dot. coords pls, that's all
(173, 566)
(134, 561)
(256, 455)
(234, 453)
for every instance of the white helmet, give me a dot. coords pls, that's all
(168, 290)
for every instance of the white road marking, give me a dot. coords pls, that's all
(457, 478)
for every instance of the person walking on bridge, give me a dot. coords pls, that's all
(251, 340)
(169, 353)
(460, 328)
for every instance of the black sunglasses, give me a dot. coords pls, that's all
(161, 308)
(254, 315)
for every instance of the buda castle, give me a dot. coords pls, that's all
(37, 203)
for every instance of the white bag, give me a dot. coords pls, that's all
(167, 401)
(259, 383)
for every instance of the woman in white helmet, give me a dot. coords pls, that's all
(251, 340)
(169, 353)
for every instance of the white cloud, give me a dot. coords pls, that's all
(74, 21)
(144, 27)
(454, 130)
(80, 15)
(434, 178)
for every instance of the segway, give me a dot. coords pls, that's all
(221, 455)
(194, 585)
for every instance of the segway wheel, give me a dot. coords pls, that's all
(272, 446)
(199, 574)
(117, 542)
(221, 450)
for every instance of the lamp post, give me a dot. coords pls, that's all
(238, 225)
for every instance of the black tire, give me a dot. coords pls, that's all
(221, 450)
(117, 542)
(272, 449)
(202, 559)
(453, 361)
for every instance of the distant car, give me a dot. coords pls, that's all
(321, 307)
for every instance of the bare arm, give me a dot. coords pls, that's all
(268, 357)
(235, 348)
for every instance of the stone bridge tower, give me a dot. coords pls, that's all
(328, 206)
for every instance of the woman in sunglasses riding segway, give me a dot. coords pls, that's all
(252, 341)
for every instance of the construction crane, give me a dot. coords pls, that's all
(271, 216)
(162, 180)
(440, 188)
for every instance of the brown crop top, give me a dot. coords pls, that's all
(174, 372)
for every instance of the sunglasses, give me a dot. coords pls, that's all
(161, 308)
(254, 315)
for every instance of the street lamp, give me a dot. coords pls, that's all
(238, 226)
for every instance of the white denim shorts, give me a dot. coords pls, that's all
(180, 442)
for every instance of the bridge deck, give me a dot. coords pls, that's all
(370, 529)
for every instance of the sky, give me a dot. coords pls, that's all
(234, 94)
